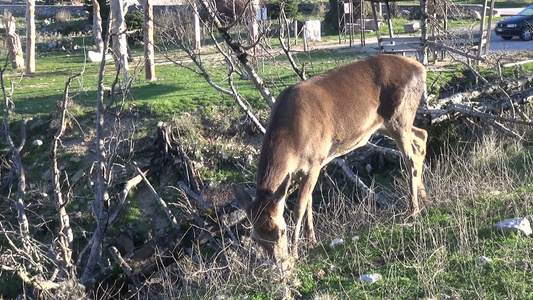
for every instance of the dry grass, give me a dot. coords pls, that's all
(470, 184)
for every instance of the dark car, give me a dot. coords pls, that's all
(520, 25)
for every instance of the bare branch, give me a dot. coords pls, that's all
(65, 231)
(162, 202)
(125, 267)
(355, 179)
(469, 111)
(240, 53)
(238, 98)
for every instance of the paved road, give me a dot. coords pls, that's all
(497, 44)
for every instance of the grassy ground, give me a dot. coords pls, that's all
(473, 182)
(433, 257)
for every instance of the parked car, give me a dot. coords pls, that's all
(520, 25)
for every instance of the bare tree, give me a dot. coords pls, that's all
(100, 189)
(30, 36)
(148, 34)
(15, 150)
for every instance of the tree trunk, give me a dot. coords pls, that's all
(100, 187)
(148, 33)
(97, 27)
(118, 34)
(30, 36)
(253, 27)
(196, 23)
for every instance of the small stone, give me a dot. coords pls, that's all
(523, 264)
(369, 278)
(515, 225)
(321, 273)
(407, 225)
(221, 297)
(336, 242)
(37, 143)
(355, 238)
(483, 260)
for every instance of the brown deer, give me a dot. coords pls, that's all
(324, 117)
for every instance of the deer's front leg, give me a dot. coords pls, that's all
(303, 204)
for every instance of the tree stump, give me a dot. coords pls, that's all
(13, 45)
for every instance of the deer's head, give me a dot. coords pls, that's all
(265, 212)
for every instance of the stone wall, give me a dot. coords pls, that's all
(45, 11)
(50, 11)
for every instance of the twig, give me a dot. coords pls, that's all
(502, 128)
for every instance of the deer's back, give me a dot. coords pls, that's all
(338, 109)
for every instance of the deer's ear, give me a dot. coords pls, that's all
(242, 196)
(283, 188)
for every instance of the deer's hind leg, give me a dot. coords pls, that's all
(418, 143)
(412, 143)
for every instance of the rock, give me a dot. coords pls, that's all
(75, 159)
(476, 15)
(515, 225)
(78, 175)
(37, 143)
(483, 260)
(355, 238)
(336, 242)
(530, 218)
(48, 174)
(124, 241)
(369, 278)
(411, 27)
(96, 56)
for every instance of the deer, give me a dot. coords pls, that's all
(320, 119)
